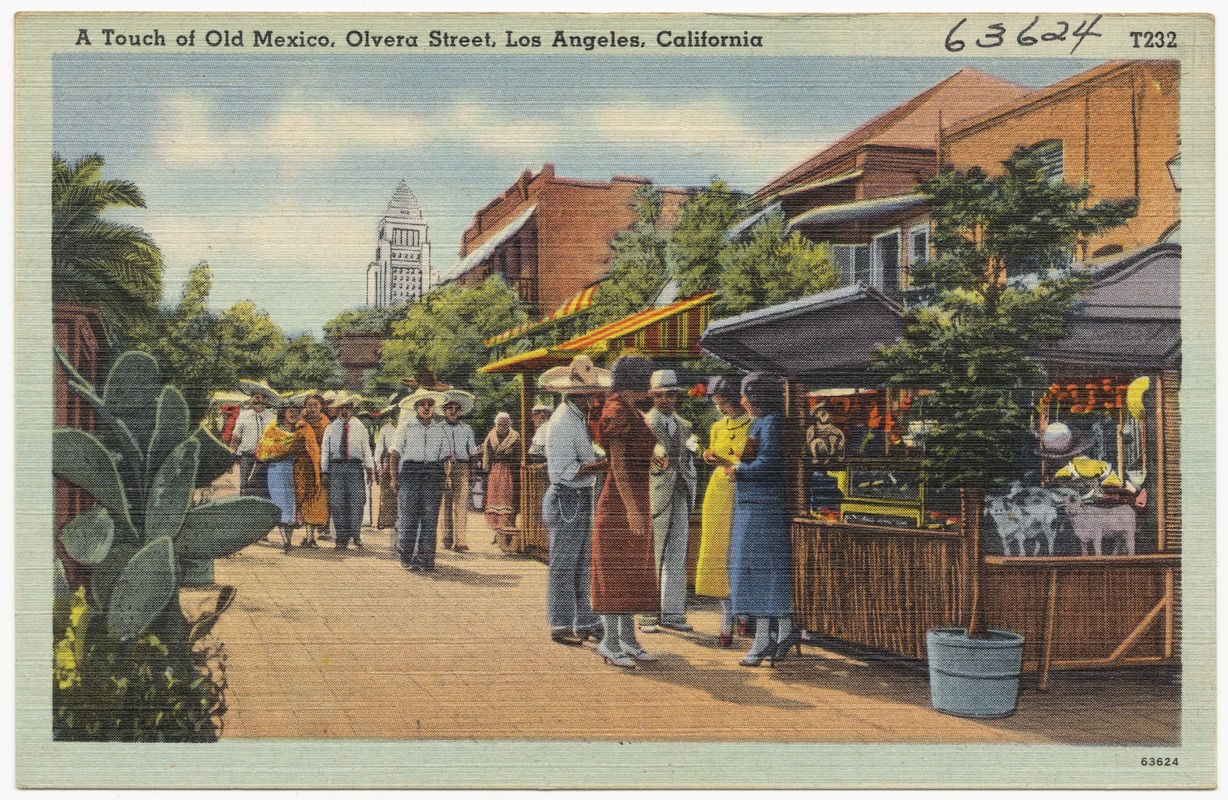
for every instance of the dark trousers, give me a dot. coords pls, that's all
(245, 470)
(347, 499)
(420, 490)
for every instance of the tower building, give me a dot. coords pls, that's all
(401, 269)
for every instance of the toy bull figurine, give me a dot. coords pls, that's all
(1093, 523)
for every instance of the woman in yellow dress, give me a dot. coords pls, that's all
(725, 443)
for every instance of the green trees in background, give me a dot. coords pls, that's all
(638, 263)
(445, 332)
(94, 261)
(768, 265)
(771, 266)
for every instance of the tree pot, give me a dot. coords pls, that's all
(974, 677)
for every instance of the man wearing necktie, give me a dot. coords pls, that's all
(347, 464)
(461, 446)
(672, 488)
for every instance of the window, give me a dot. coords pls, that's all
(919, 244)
(885, 272)
(405, 237)
(1050, 154)
(853, 261)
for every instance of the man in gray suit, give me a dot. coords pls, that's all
(672, 495)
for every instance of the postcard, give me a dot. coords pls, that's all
(591, 401)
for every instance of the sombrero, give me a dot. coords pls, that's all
(579, 377)
(407, 405)
(460, 397)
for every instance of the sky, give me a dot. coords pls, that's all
(276, 170)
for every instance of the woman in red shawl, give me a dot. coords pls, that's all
(624, 568)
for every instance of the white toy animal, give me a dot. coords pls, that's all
(1024, 515)
(1093, 524)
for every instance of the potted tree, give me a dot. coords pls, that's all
(1001, 284)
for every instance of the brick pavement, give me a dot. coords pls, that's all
(323, 644)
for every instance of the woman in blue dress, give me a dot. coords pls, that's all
(760, 547)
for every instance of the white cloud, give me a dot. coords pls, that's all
(198, 131)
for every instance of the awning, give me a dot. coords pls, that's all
(532, 361)
(819, 184)
(674, 332)
(736, 232)
(671, 331)
(825, 340)
(583, 299)
(487, 247)
(860, 210)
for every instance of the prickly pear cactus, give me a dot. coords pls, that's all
(142, 468)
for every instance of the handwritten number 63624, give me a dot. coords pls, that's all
(996, 34)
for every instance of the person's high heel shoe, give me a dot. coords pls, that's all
(640, 655)
(617, 659)
(783, 647)
(755, 658)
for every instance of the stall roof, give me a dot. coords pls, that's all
(532, 361)
(582, 300)
(633, 323)
(1131, 317)
(825, 339)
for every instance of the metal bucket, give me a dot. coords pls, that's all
(974, 677)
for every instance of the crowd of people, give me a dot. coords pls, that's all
(622, 485)
(625, 554)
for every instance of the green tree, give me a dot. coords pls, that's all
(638, 263)
(307, 364)
(445, 332)
(970, 347)
(773, 266)
(251, 340)
(190, 350)
(700, 237)
(94, 261)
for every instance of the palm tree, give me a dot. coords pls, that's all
(113, 266)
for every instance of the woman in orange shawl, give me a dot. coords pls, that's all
(311, 495)
(284, 443)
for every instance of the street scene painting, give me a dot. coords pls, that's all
(523, 401)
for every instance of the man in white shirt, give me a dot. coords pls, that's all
(346, 465)
(461, 447)
(249, 427)
(420, 450)
(567, 508)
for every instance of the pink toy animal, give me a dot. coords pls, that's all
(1092, 524)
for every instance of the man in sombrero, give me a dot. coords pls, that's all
(461, 448)
(250, 426)
(419, 452)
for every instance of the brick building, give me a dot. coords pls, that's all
(1114, 126)
(859, 193)
(550, 237)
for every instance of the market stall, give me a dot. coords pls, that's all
(668, 333)
(1082, 556)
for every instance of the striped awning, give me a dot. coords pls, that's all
(671, 331)
(583, 299)
(685, 338)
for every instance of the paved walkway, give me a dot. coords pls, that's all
(326, 644)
